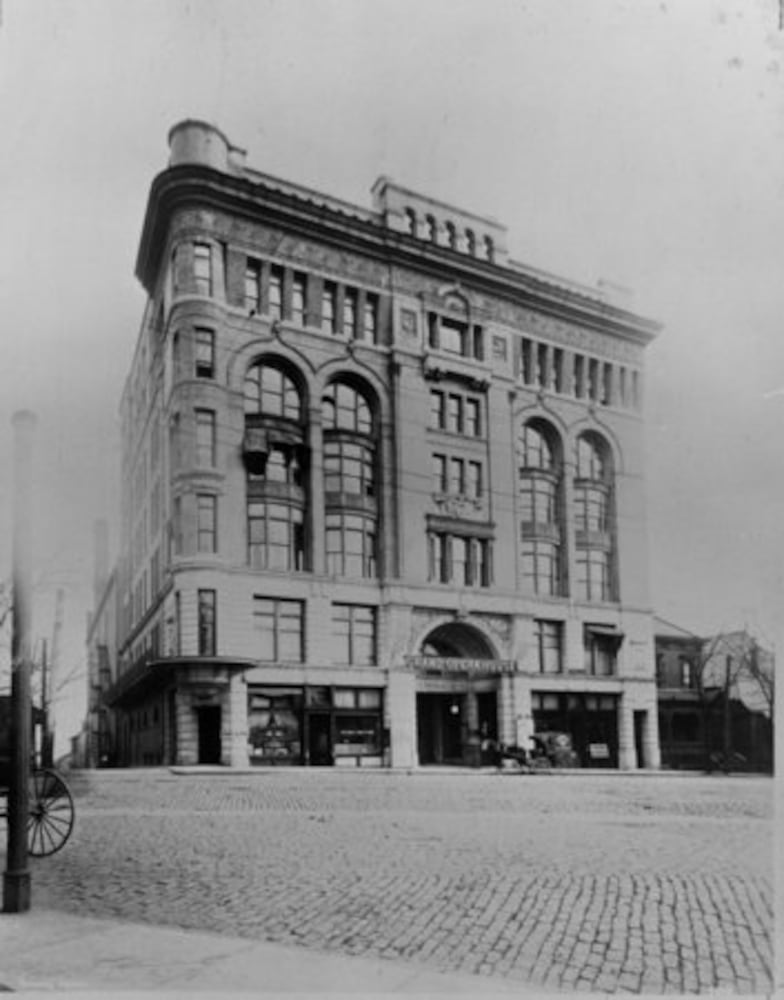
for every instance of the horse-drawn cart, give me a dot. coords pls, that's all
(51, 811)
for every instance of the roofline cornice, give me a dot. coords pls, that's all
(190, 185)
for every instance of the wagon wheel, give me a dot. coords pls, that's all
(51, 816)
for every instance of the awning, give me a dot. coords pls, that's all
(143, 679)
(606, 632)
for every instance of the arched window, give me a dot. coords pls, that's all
(451, 235)
(432, 229)
(269, 390)
(275, 455)
(489, 249)
(540, 494)
(350, 486)
(471, 242)
(594, 515)
(411, 219)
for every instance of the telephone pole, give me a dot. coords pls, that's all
(16, 877)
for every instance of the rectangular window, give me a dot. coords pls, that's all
(454, 414)
(298, 299)
(280, 632)
(202, 268)
(329, 297)
(459, 560)
(579, 376)
(526, 364)
(253, 286)
(456, 476)
(461, 566)
(437, 409)
(177, 525)
(473, 427)
(474, 484)
(549, 638)
(541, 365)
(275, 307)
(593, 379)
(593, 574)
(351, 545)
(600, 653)
(206, 622)
(439, 474)
(452, 336)
(606, 390)
(276, 537)
(541, 566)
(479, 343)
(354, 628)
(370, 320)
(557, 374)
(437, 555)
(206, 506)
(350, 314)
(205, 353)
(205, 438)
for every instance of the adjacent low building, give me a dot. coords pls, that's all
(383, 487)
(716, 700)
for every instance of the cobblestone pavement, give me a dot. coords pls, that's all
(604, 883)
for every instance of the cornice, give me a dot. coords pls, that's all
(199, 186)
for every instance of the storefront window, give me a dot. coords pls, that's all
(356, 735)
(274, 726)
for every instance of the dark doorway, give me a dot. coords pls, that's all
(171, 727)
(209, 734)
(319, 739)
(440, 728)
(640, 725)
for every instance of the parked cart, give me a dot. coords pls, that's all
(51, 810)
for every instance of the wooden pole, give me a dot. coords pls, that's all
(16, 878)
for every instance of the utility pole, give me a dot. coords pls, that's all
(46, 747)
(54, 663)
(16, 877)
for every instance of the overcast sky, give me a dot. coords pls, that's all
(637, 141)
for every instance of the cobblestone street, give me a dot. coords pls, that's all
(598, 882)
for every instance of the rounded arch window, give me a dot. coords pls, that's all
(539, 447)
(594, 460)
(271, 390)
(346, 407)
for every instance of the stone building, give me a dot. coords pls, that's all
(383, 487)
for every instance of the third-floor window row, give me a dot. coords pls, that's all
(568, 373)
(276, 291)
(305, 299)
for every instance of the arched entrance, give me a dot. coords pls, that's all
(457, 696)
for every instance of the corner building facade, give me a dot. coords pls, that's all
(383, 487)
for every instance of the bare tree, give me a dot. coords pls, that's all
(731, 666)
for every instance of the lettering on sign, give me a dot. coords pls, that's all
(459, 665)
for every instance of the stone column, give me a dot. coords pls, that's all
(626, 752)
(523, 717)
(401, 706)
(235, 729)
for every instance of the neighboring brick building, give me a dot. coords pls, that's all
(383, 488)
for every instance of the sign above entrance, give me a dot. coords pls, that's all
(460, 665)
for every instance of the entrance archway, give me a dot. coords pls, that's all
(457, 701)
